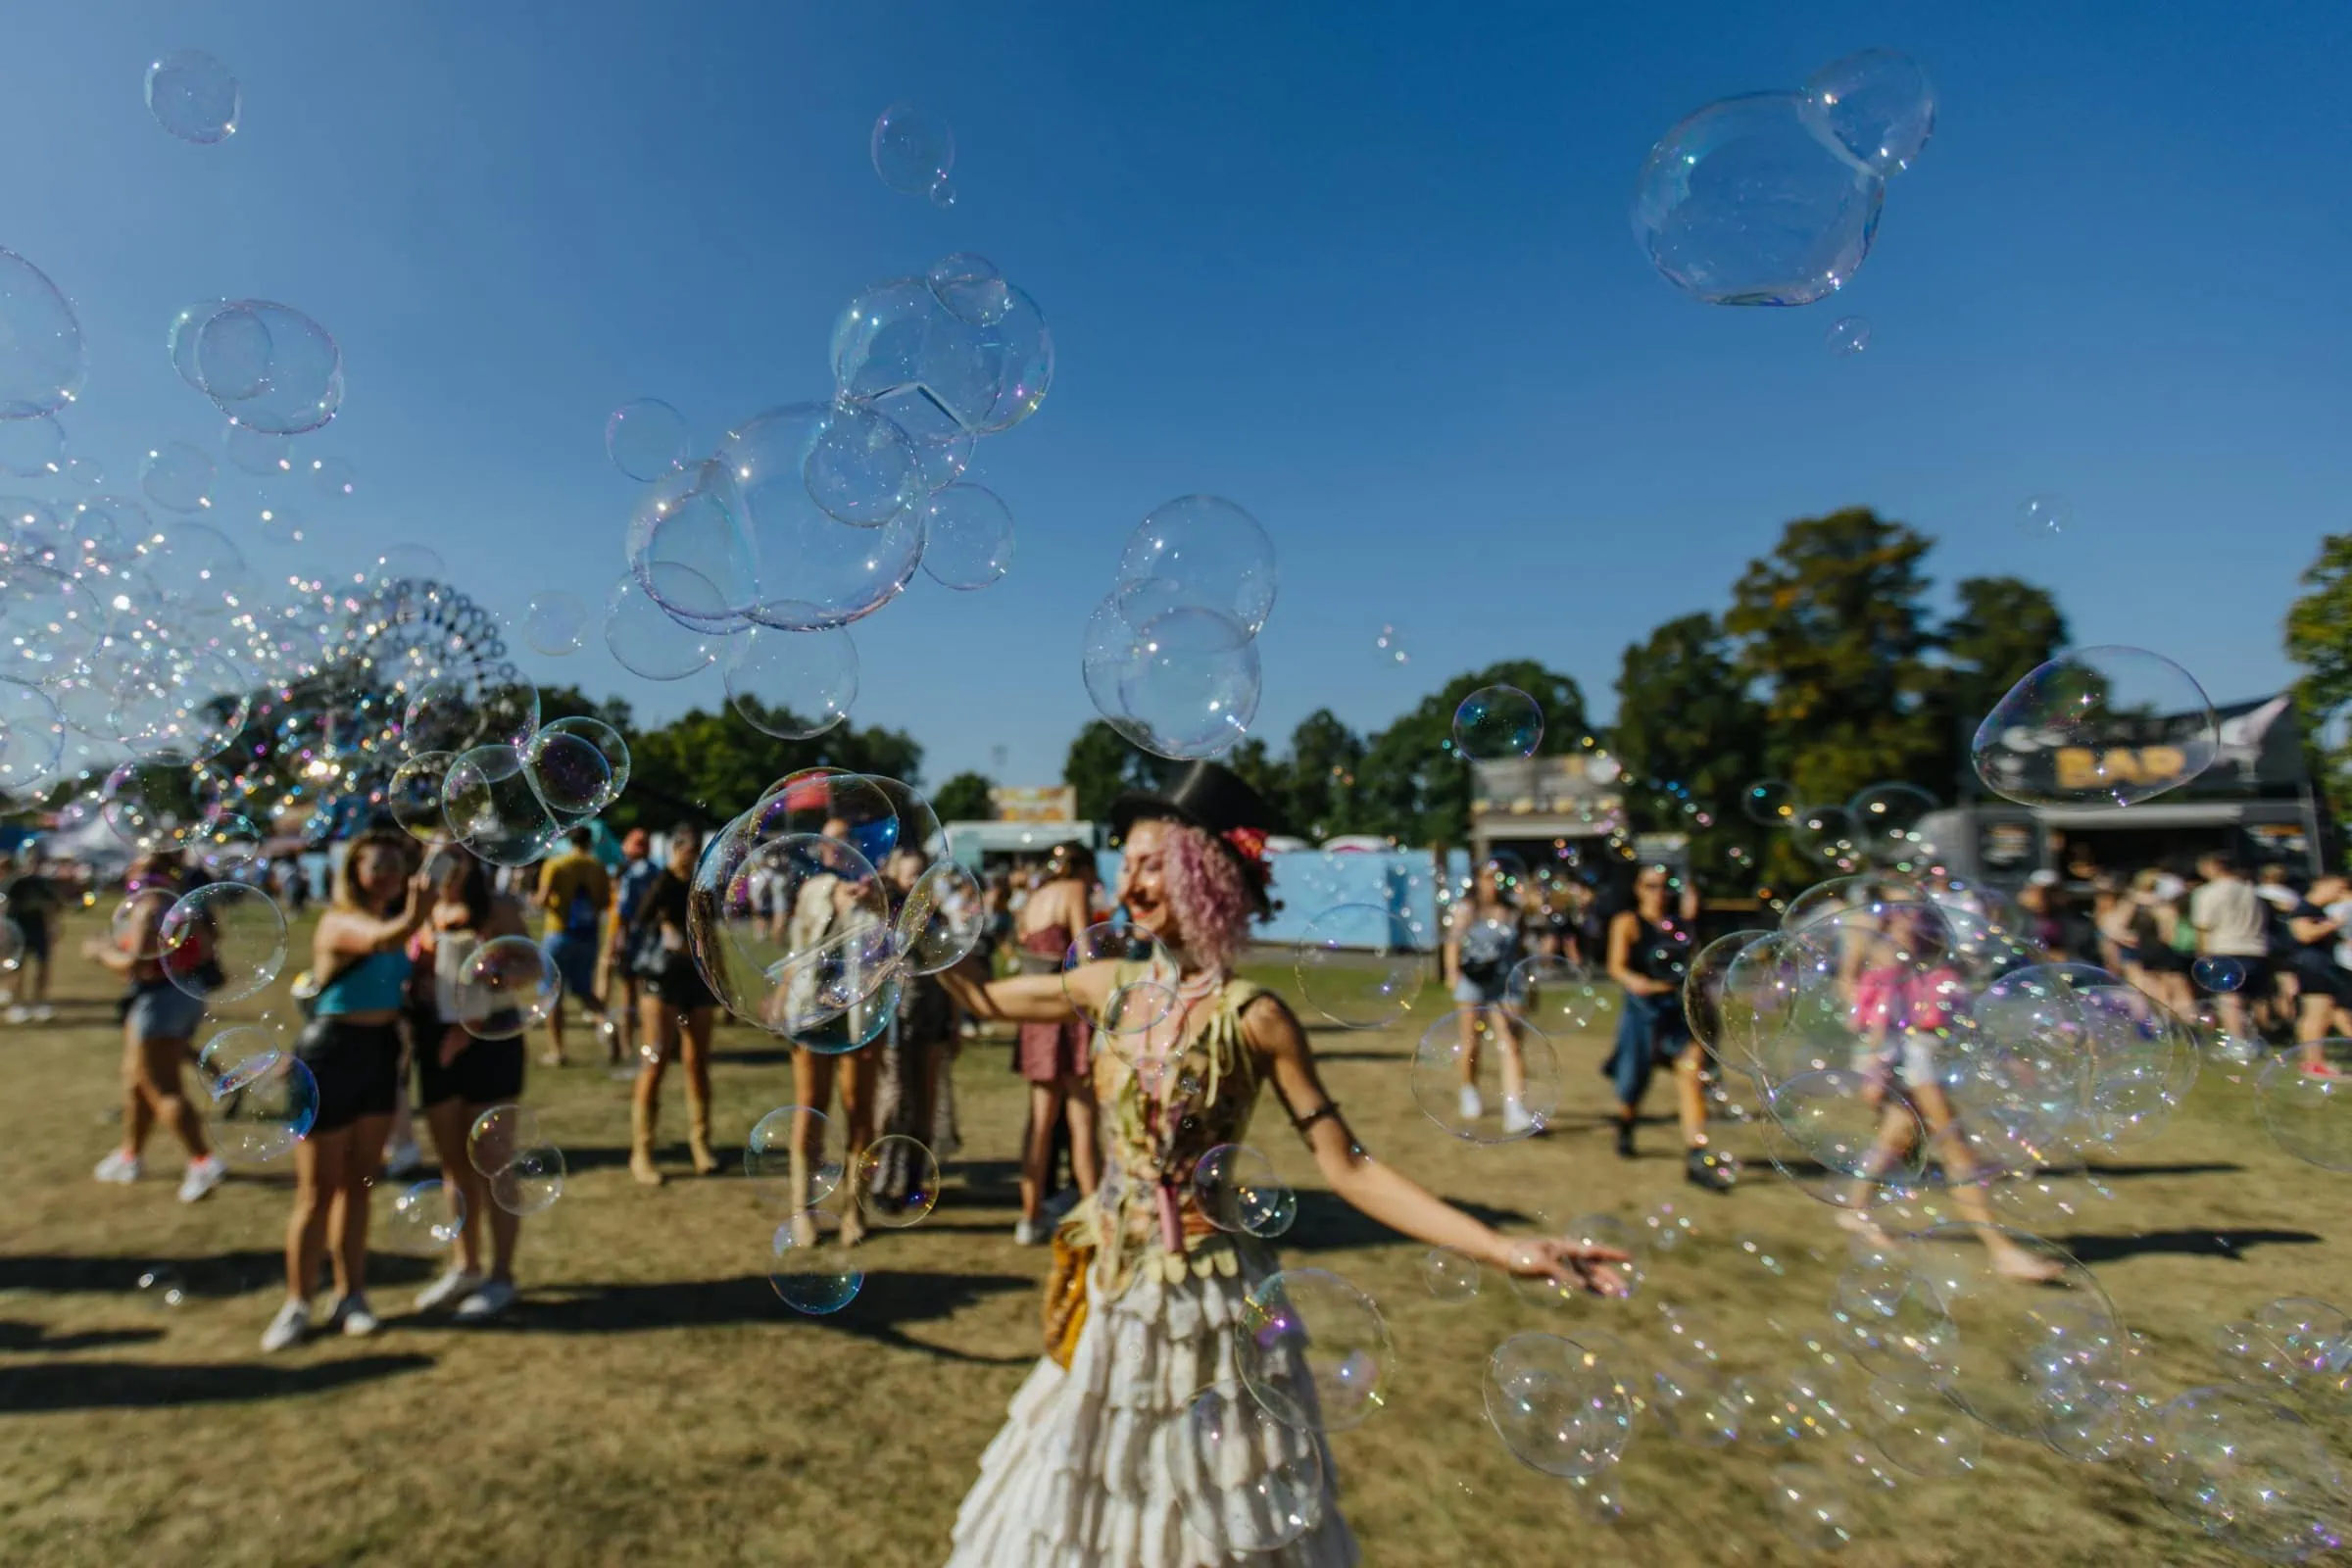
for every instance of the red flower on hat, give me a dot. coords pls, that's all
(1250, 843)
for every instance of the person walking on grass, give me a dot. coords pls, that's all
(33, 905)
(574, 892)
(637, 875)
(1483, 946)
(1648, 956)
(158, 1022)
(678, 1011)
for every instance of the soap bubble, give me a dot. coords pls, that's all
(1189, 683)
(1920, 1430)
(2044, 516)
(1696, 1405)
(1244, 1482)
(1877, 105)
(223, 941)
(1390, 646)
(1143, 961)
(267, 367)
(1556, 1407)
(2218, 972)
(814, 570)
(264, 454)
(2110, 724)
(481, 705)
(1848, 336)
(152, 806)
(507, 986)
(1811, 1507)
(2249, 1472)
(1202, 553)
(942, 920)
(967, 537)
(570, 776)
(861, 469)
(492, 807)
(690, 548)
(1352, 972)
(426, 1218)
(898, 1181)
(608, 745)
(808, 1275)
(2011, 1342)
(1832, 1120)
(499, 1134)
(1887, 820)
(794, 685)
(970, 287)
(912, 149)
(413, 797)
(32, 448)
(1604, 1231)
(1745, 203)
(1769, 801)
(178, 477)
(556, 623)
(1704, 983)
(939, 377)
(646, 438)
(1238, 1191)
(33, 737)
(163, 1285)
(531, 1180)
(42, 360)
(262, 1107)
(780, 974)
(1497, 721)
(1314, 1350)
(1557, 996)
(1465, 1085)
(645, 640)
(180, 705)
(193, 96)
(2298, 1105)
(227, 844)
(1450, 1276)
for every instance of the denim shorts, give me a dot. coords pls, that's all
(165, 1013)
(574, 960)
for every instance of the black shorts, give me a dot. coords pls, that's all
(2320, 977)
(357, 1066)
(34, 935)
(487, 1072)
(680, 986)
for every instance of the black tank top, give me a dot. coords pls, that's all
(1660, 952)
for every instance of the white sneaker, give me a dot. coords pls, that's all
(402, 1159)
(18, 1013)
(42, 1013)
(492, 1298)
(203, 1176)
(352, 1316)
(1472, 1106)
(292, 1322)
(450, 1289)
(1515, 1120)
(1031, 1232)
(119, 1168)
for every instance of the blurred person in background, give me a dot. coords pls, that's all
(158, 1025)
(2276, 1004)
(1649, 954)
(1054, 1055)
(637, 875)
(359, 952)
(2157, 926)
(34, 906)
(918, 1043)
(828, 910)
(1482, 945)
(460, 1076)
(678, 1012)
(2230, 923)
(2323, 990)
(576, 892)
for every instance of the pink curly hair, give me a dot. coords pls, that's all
(1211, 896)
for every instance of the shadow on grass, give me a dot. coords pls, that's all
(213, 1274)
(2098, 1249)
(882, 1311)
(1327, 1224)
(34, 1338)
(143, 1385)
(2107, 1171)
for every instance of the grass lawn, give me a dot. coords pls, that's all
(651, 1400)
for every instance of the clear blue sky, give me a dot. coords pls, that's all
(1365, 269)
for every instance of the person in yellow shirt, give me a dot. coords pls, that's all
(574, 892)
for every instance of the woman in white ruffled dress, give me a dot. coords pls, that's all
(1094, 1466)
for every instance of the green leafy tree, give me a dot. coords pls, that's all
(964, 798)
(2319, 637)
(2002, 629)
(1263, 773)
(1833, 629)
(1325, 756)
(1103, 764)
(1414, 786)
(1691, 739)
(705, 768)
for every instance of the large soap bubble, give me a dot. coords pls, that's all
(1244, 1481)
(813, 569)
(967, 537)
(1877, 105)
(1353, 971)
(1748, 202)
(2249, 1472)
(646, 438)
(791, 684)
(269, 367)
(1182, 682)
(1314, 1350)
(1201, 552)
(2011, 1343)
(2098, 725)
(43, 361)
(223, 941)
(1555, 1406)
(492, 807)
(898, 346)
(2306, 1107)
(689, 549)
(790, 931)
(912, 149)
(193, 96)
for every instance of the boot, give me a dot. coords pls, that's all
(640, 1145)
(697, 1133)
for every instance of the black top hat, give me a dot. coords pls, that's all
(1206, 795)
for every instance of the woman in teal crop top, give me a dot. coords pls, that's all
(375, 984)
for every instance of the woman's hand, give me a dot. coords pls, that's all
(454, 1042)
(1564, 1262)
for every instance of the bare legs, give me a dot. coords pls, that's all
(1691, 1096)
(669, 1034)
(451, 1120)
(1071, 1097)
(1514, 1065)
(333, 1174)
(152, 1096)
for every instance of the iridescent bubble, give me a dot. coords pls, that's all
(967, 537)
(2010, 1343)
(181, 704)
(193, 96)
(1314, 1350)
(1848, 336)
(1920, 1430)
(1497, 721)
(222, 941)
(498, 1134)
(2218, 972)
(269, 367)
(1587, 1231)
(334, 479)
(861, 469)
(646, 438)
(531, 1180)
(808, 1275)
(1450, 1276)
(1877, 105)
(970, 287)
(1188, 682)
(43, 361)
(263, 454)
(942, 193)
(1202, 553)
(608, 745)
(414, 796)
(262, 1107)
(1557, 1410)
(32, 448)
(493, 810)
(1769, 801)
(898, 1181)
(32, 738)
(1238, 1191)
(556, 623)
(645, 640)
(689, 550)
(792, 1158)
(2106, 725)
(1390, 646)
(2249, 1472)
(2044, 516)
(789, 976)
(814, 570)
(2306, 1104)
(152, 806)
(1244, 1482)
(425, 1219)
(569, 775)
(227, 844)
(1354, 970)
(942, 919)
(1556, 995)
(177, 477)
(484, 705)
(1747, 203)
(791, 684)
(1811, 1506)
(163, 1285)
(506, 987)
(1486, 1077)
(912, 149)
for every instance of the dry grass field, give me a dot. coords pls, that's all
(651, 1400)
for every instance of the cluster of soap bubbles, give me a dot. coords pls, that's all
(483, 772)
(1170, 654)
(808, 516)
(1773, 198)
(1883, 825)
(524, 1170)
(799, 1168)
(267, 367)
(263, 1099)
